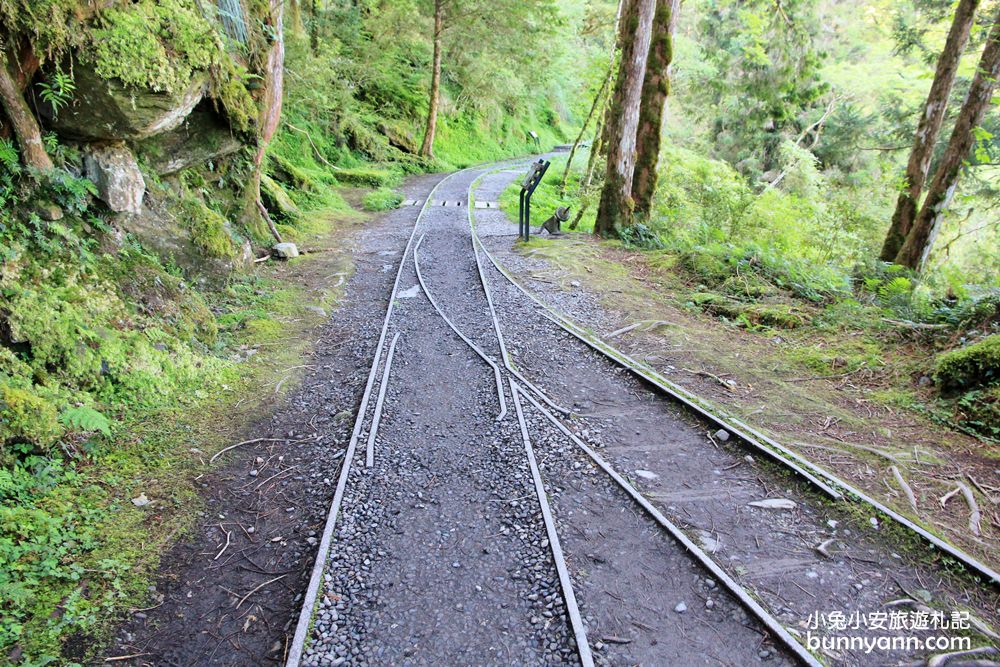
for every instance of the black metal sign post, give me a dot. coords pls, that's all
(528, 185)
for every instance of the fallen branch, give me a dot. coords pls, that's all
(993, 499)
(906, 489)
(865, 448)
(315, 150)
(948, 496)
(728, 384)
(269, 221)
(916, 325)
(269, 581)
(975, 516)
(240, 444)
(649, 324)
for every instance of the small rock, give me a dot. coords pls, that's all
(141, 500)
(775, 504)
(316, 309)
(285, 250)
(646, 474)
(574, 283)
(48, 211)
(722, 435)
(681, 608)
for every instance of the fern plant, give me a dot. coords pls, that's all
(57, 91)
(84, 418)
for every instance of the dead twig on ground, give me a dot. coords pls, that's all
(240, 444)
(257, 588)
(906, 489)
(975, 516)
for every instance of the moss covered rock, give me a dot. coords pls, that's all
(975, 365)
(201, 137)
(107, 109)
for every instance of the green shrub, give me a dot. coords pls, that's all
(383, 199)
(971, 366)
(365, 177)
(980, 410)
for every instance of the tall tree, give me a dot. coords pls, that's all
(599, 101)
(765, 75)
(427, 149)
(29, 136)
(920, 240)
(622, 119)
(655, 89)
(928, 128)
(270, 107)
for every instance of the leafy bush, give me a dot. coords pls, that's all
(971, 366)
(383, 199)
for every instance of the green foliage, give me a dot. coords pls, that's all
(58, 90)
(979, 411)
(156, 45)
(209, 230)
(84, 418)
(47, 23)
(971, 366)
(383, 199)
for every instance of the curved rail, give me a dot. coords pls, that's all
(818, 476)
(297, 648)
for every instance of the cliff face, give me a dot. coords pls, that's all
(139, 92)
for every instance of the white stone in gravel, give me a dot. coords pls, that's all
(681, 608)
(409, 293)
(722, 435)
(775, 504)
(646, 474)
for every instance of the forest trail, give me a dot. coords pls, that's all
(440, 553)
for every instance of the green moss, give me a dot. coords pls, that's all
(208, 229)
(47, 23)
(26, 416)
(277, 199)
(971, 366)
(157, 45)
(366, 177)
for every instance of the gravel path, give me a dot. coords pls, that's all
(440, 554)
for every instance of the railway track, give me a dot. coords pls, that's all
(568, 484)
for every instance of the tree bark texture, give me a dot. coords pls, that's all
(427, 149)
(655, 89)
(623, 117)
(920, 240)
(270, 105)
(26, 130)
(928, 128)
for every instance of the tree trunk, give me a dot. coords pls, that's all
(598, 100)
(569, 160)
(29, 136)
(427, 149)
(655, 89)
(921, 238)
(623, 117)
(928, 129)
(314, 26)
(270, 108)
(595, 151)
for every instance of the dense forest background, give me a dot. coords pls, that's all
(151, 153)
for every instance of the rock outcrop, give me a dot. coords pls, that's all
(104, 110)
(116, 174)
